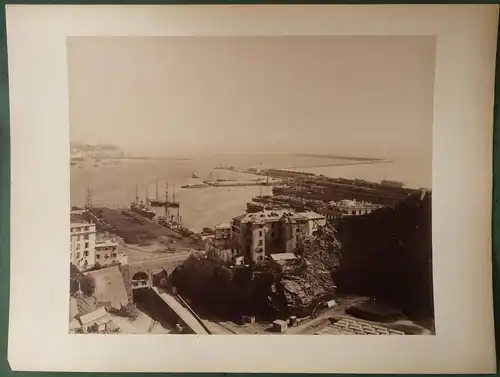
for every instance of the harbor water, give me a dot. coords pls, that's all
(113, 183)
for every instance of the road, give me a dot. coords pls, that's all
(182, 312)
(162, 260)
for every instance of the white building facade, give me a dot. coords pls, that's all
(82, 245)
(87, 250)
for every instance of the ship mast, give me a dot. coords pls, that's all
(157, 190)
(178, 207)
(88, 204)
(166, 200)
(136, 194)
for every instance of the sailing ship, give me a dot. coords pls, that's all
(162, 203)
(169, 220)
(142, 208)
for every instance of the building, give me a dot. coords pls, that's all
(354, 207)
(225, 250)
(88, 249)
(97, 321)
(106, 253)
(283, 262)
(315, 221)
(279, 326)
(82, 244)
(223, 231)
(267, 232)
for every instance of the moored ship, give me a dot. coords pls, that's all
(141, 208)
(195, 185)
(162, 203)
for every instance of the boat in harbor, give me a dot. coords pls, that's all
(195, 185)
(195, 176)
(142, 208)
(162, 203)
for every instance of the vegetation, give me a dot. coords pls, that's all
(127, 311)
(87, 285)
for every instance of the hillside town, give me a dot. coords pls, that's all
(295, 262)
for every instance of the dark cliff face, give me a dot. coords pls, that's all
(388, 255)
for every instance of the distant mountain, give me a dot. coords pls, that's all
(93, 147)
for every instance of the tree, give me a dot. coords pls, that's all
(73, 270)
(87, 285)
(73, 286)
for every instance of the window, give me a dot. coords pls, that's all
(77, 246)
(78, 238)
(113, 255)
(86, 228)
(260, 242)
(86, 245)
(77, 255)
(97, 256)
(260, 233)
(86, 253)
(86, 237)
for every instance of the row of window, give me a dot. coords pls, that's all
(79, 237)
(83, 229)
(78, 246)
(97, 256)
(106, 248)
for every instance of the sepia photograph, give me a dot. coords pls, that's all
(251, 185)
(251, 170)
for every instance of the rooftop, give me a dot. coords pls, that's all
(106, 243)
(93, 316)
(80, 224)
(283, 256)
(266, 216)
(223, 226)
(310, 215)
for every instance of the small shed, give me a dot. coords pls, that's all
(283, 261)
(279, 326)
(331, 303)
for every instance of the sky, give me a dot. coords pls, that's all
(356, 95)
